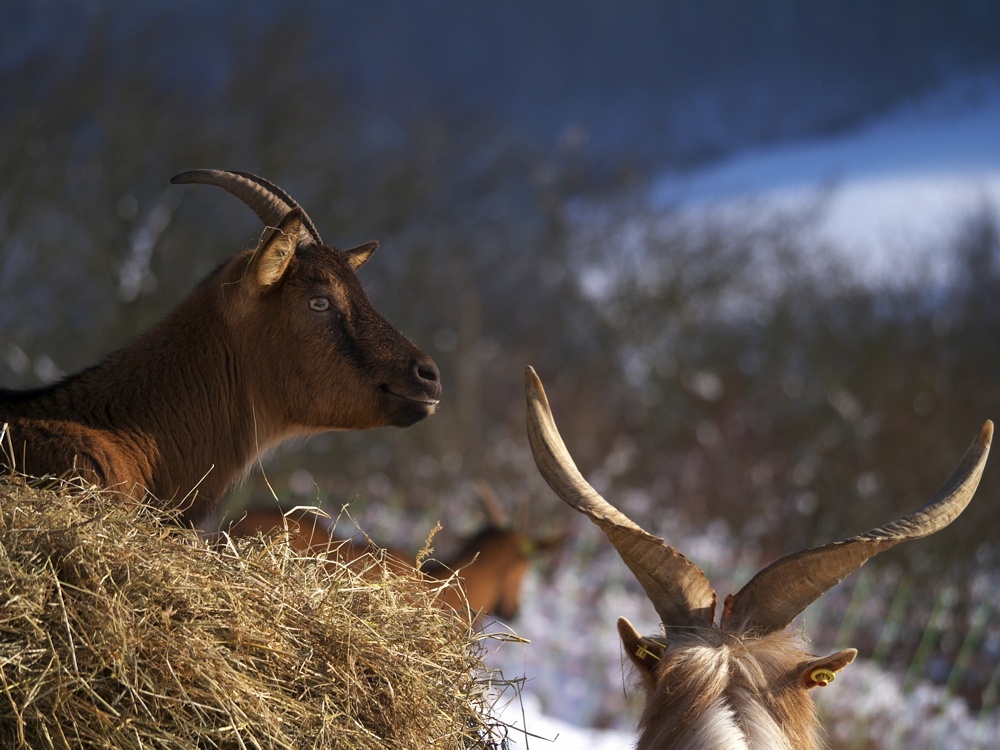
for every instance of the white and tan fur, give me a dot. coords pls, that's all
(709, 689)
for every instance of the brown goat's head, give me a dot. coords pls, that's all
(333, 362)
(493, 565)
(493, 562)
(741, 682)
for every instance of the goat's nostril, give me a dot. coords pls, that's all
(428, 371)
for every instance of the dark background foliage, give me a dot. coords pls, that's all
(500, 154)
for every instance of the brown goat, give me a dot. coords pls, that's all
(280, 341)
(485, 575)
(742, 683)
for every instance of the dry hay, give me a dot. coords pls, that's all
(118, 631)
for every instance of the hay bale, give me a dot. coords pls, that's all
(120, 631)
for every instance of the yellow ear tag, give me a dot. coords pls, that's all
(642, 652)
(822, 676)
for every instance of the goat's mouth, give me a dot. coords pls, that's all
(421, 399)
(407, 409)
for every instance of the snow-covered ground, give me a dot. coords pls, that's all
(543, 731)
(890, 193)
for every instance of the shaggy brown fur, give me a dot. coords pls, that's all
(280, 341)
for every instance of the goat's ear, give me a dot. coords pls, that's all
(358, 256)
(821, 672)
(645, 653)
(276, 250)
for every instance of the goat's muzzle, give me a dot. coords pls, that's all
(415, 395)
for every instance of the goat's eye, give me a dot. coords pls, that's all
(319, 304)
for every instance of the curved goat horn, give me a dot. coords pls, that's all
(677, 587)
(265, 199)
(776, 595)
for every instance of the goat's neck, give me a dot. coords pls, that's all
(177, 399)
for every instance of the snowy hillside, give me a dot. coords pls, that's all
(897, 186)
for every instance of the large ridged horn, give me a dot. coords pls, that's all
(677, 587)
(777, 594)
(264, 198)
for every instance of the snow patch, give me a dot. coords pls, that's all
(894, 191)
